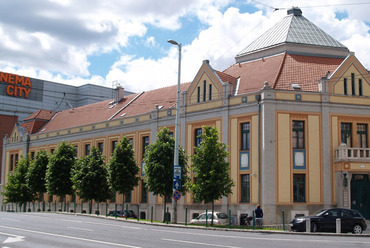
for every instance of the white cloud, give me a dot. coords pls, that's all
(53, 39)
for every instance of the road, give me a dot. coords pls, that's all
(20, 230)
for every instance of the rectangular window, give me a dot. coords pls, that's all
(362, 136)
(204, 90)
(245, 188)
(32, 155)
(299, 188)
(298, 135)
(144, 192)
(346, 133)
(353, 84)
(245, 136)
(210, 92)
(101, 147)
(114, 145)
(145, 144)
(52, 150)
(198, 94)
(131, 142)
(198, 139)
(360, 87)
(76, 151)
(11, 163)
(87, 149)
(345, 86)
(16, 160)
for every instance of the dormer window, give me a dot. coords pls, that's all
(295, 86)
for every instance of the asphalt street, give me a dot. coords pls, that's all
(65, 230)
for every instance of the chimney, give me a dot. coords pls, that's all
(118, 93)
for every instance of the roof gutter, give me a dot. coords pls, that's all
(115, 114)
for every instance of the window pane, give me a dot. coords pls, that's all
(245, 136)
(245, 188)
(298, 139)
(299, 188)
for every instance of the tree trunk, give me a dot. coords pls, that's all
(164, 212)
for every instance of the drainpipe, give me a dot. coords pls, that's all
(258, 98)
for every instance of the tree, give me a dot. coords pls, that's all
(17, 189)
(90, 177)
(159, 161)
(123, 170)
(58, 173)
(211, 170)
(37, 173)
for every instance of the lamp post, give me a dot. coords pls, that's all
(176, 149)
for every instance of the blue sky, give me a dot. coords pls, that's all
(98, 42)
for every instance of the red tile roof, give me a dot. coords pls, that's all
(35, 121)
(281, 70)
(103, 111)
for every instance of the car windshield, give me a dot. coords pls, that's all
(318, 213)
(222, 216)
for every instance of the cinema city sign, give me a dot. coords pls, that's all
(16, 85)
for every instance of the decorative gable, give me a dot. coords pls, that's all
(351, 78)
(206, 86)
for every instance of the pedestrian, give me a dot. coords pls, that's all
(259, 215)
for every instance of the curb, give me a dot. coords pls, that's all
(218, 229)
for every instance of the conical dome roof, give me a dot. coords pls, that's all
(295, 35)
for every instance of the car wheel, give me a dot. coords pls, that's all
(314, 227)
(357, 229)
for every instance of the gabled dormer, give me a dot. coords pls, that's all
(350, 79)
(17, 134)
(210, 85)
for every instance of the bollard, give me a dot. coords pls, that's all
(115, 208)
(106, 209)
(254, 221)
(229, 218)
(151, 214)
(167, 215)
(282, 213)
(138, 213)
(97, 210)
(127, 211)
(206, 217)
(186, 216)
(74, 206)
(338, 225)
(82, 207)
(308, 225)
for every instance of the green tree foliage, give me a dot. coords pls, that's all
(159, 161)
(211, 169)
(122, 169)
(17, 190)
(90, 177)
(58, 173)
(37, 173)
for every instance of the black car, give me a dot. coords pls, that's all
(325, 221)
(120, 213)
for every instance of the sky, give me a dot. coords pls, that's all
(125, 41)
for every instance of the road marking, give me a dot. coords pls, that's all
(9, 219)
(197, 243)
(13, 239)
(70, 237)
(82, 229)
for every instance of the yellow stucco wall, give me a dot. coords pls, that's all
(338, 87)
(314, 160)
(283, 159)
(194, 94)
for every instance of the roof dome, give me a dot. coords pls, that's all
(294, 34)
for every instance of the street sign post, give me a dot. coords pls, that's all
(176, 195)
(177, 172)
(176, 185)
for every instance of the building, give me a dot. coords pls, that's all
(22, 96)
(294, 110)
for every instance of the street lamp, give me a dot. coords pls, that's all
(176, 149)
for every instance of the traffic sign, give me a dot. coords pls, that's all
(177, 185)
(176, 195)
(177, 172)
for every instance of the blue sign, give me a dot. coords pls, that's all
(176, 185)
(177, 172)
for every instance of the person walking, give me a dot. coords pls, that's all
(259, 215)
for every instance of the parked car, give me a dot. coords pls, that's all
(325, 221)
(120, 213)
(218, 219)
